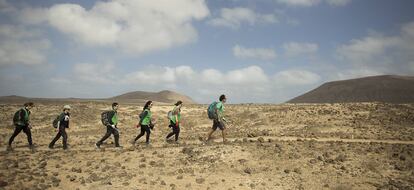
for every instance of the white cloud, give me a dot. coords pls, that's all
(104, 73)
(305, 3)
(407, 31)
(254, 53)
(5, 7)
(212, 76)
(293, 49)
(380, 53)
(235, 17)
(19, 46)
(88, 27)
(152, 76)
(338, 2)
(134, 26)
(411, 66)
(32, 16)
(357, 73)
(251, 75)
(245, 84)
(364, 50)
(295, 77)
(60, 80)
(185, 74)
(309, 3)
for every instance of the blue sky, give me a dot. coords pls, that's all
(264, 51)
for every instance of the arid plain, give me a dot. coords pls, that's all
(284, 146)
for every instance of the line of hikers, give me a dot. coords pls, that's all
(21, 121)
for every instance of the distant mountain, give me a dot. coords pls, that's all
(385, 88)
(163, 97)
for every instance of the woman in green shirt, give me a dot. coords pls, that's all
(145, 122)
(175, 121)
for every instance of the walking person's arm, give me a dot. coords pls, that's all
(22, 117)
(176, 121)
(111, 123)
(175, 113)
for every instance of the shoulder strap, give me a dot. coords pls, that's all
(26, 113)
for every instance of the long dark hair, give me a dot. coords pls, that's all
(27, 104)
(178, 103)
(147, 105)
(222, 97)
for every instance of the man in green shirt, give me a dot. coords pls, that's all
(21, 122)
(219, 122)
(112, 127)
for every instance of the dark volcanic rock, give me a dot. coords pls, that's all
(248, 170)
(200, 180)
(3, 183)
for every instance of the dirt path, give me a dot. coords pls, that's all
(340, 140)
(213, 142)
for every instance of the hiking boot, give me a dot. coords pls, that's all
(9, 148)
(98, 146)
(132, 142)
(207, 141)
(119, 147)
(32, 147)
(51, 147)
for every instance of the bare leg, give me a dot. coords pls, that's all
(209, 134)
(223, 133)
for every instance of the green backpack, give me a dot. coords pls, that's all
(211, 111)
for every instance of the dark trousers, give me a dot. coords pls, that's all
(61, 133)
(109, 131)
(218, 124)
(176, 131)
(144, 129)
(19, 129)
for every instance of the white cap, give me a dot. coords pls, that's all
(66, 107)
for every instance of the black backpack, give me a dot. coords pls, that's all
(55, 122)
(105, 118)
(17, 120)
(141, 115)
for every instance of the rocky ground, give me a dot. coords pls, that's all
(302, 146)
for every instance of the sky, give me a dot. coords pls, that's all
(262, 51)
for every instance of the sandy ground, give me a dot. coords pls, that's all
(288, 146)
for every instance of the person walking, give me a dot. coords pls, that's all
(63, 123)
(145, 123)
(175, 121)
(111, 127)
(218, 117)
(21, 121)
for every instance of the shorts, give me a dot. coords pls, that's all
(218, 124)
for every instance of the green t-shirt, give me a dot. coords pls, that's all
(115, 118)
(220, 109)
(147, 118)
(175, 112)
